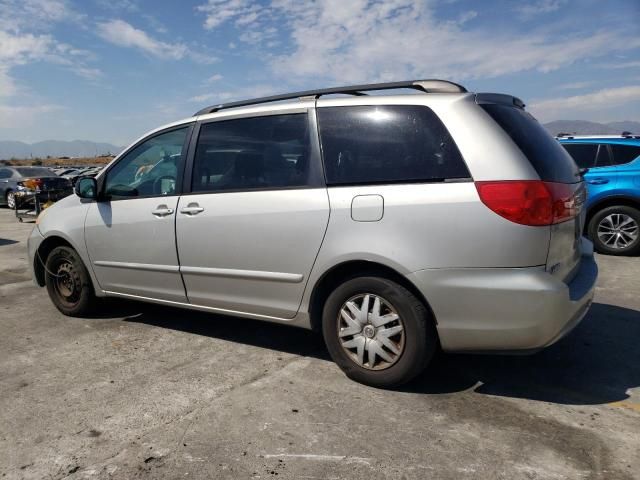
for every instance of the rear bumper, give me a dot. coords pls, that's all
(506, 309)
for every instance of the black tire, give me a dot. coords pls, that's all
(633, 248)
(68, 282)
(419, 342)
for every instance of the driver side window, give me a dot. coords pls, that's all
(150, 169)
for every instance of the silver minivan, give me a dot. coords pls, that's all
(396, 225)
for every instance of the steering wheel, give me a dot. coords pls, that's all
(157, 185)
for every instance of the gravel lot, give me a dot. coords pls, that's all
(150, 392)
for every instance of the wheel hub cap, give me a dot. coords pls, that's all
(371, 332)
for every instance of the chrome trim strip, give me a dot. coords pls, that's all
(245, 274)
(139, 266)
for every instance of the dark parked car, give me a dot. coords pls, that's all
(24, 181)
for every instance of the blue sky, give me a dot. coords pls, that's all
(109, 70)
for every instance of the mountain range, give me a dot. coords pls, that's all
(82, 148)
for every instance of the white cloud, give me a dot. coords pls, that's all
(358, 40)
(118, 5)
(214, 78)
(574, 85)
(35, 14)
(572, 107)
(631, 64)
(123, 34)
(220, 11)
(23, 116)
(20, 49)
(253, 91)
(540, 7)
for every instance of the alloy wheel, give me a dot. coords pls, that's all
(618, 231)
(371, 332)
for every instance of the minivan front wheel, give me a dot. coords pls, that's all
(68, 282)
(378, 332)
(616, 230)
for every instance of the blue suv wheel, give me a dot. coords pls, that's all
(613, 184)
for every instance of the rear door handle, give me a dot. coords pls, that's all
(162, 211)
(598, 181)
(192, 209)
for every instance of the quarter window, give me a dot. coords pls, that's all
(387, 144)
(253, 153)
(150, 169)
(624, 153)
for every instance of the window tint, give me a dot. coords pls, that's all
(149, 169)
(35, 172)
(248, 153)
(548, 158)
(386, 144)
(624, 153)
(5, 173)
(584, 154)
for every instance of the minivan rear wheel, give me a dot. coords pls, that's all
(616, 230)
(378, 332)
(68, 282)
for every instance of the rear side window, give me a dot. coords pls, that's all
(588, 155)
(387, 144)
(548, 158)
(253, 153)
(624, 153)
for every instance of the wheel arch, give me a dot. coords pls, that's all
(611, 201)
(43, 251)
(351, 269)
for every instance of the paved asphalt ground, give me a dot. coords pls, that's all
(149, 392)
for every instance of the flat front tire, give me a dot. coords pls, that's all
(68, 282)
(378, 332)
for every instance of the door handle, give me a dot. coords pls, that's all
(162, 211)
(192, 209)
(598, 181)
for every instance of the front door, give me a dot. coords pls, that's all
(250, 230)
(130, 234)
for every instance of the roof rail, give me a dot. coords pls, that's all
(427, 86)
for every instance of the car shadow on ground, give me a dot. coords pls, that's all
(597, 363)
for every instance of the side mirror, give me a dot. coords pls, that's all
(87, 187)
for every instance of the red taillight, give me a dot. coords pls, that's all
(530, 202)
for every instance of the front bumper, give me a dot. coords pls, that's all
(506, 309)
(33, 243)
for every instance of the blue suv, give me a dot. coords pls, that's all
(613, 183)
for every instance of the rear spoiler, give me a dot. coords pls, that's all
(500, 98)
